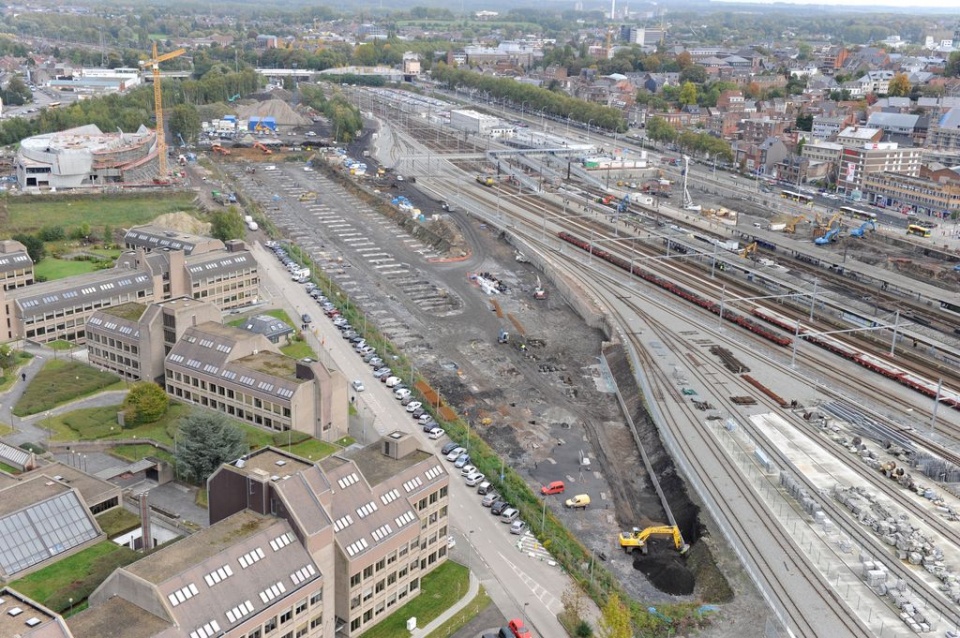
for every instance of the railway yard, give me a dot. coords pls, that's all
(795, 412)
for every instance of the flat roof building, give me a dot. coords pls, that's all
(20, 616)
(150, 238)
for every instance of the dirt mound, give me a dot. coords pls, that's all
(183, 222)
(666, 572)
(277, 109)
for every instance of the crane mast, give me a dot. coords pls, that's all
(154, 64)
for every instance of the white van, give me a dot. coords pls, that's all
(392, 381)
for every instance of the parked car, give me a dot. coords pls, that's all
(489, 499)
(392, 382)
(401, 393)
(556, 487)
(375, 362)
(305, 318)
(413, 405)
(380, 372)
(419, 412)
(462, 460)
(473, 479)
(426, 418)
(580, 501)
(455, 453)
(498, 506)
(517, 627)
(509, 515)
(358, 385)
(406, 400)
(518, 527)
(448, 448)
(484, 487)
(468, 469)
(436, 433)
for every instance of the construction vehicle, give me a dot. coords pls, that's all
(791, 226)
(262, 148)
(503, 337)
(538, 292)
(833, 228)
(305, 197)
(687, 199)
(220, 150)
(864, 227)
(636, 539)
(486, 180)
(624, 204)
(748, 250)
(605, 199)
(154, 64)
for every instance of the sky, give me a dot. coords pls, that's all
(951, 5)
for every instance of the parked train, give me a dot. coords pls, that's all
(741, 320)
(862, 358)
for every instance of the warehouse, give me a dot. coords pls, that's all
(479, 123)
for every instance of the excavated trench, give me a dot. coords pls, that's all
(663, 566)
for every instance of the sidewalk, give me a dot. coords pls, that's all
(451, 611)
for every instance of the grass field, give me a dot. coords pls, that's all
(439, 590)
(312, 449)
(119, 211)
(134, 453)
(50, 268)
(60, 382)
(117, 521)
(75, 576)
(11, 373)
(9, 469)
(473, 608)
(298, 350)
(61, 345)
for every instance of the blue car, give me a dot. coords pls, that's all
(462, 460)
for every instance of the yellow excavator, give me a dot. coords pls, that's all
(748, 250)
(636, 539)
(791, 226)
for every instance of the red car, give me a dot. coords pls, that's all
(516, 626)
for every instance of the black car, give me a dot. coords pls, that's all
(449, 447)
(497, 508)
(419, 412)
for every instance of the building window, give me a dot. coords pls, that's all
(380, 565)
(317, 598)
(270, 625)
(301, 607)
(392, 558)
(316, 621)
(380, 586)
(392, 578)
(354, 602)
(368, 615)
(414, 584)
(301, 631)
(255, 634)
(368, 571)
(355, 624)
(355, 580)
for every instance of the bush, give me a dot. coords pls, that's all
(52, 233)
(145, 403)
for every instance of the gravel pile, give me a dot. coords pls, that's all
(277, 109)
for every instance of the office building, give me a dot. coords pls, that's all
(16, 267)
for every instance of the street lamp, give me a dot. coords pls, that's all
(522, 105)
(525, 614)
(588, 128)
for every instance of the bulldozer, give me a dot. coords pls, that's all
(636, 539)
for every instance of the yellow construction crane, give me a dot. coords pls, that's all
(154, 64)
(637, 539)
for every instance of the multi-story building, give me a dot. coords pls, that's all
(247, 576)
(856, 136)
(884, 157)
(16, 267)
(757, 129)
(48, 311)
(822, 151)
(151, 238)
(132, 339)
(944, 132)
(825, 128)
(911, 194)
(244, 376)
(380, 514)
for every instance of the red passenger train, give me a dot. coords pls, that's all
(872, 362)
(671, 287)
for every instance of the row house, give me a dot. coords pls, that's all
(908, 193)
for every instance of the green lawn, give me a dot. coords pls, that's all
(5, 429)
(116, 210)
(299, 350)
(75, 576)
(11, 373)
(91, 424)
(61, 344)
(9, 469)
(277, 313)
(117, 521)
(134, 453)
(61, 382)
(312, 449)
(473, 608)
(50, 268)
(438, 591)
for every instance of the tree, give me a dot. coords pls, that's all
(36, 249)
(899, 85)
(227, 224)
(185, 120)
(108, 235)
(805, 122)
(694, 73)
(205, 441)
(614, 619)
(146, 402)
(688, 93)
